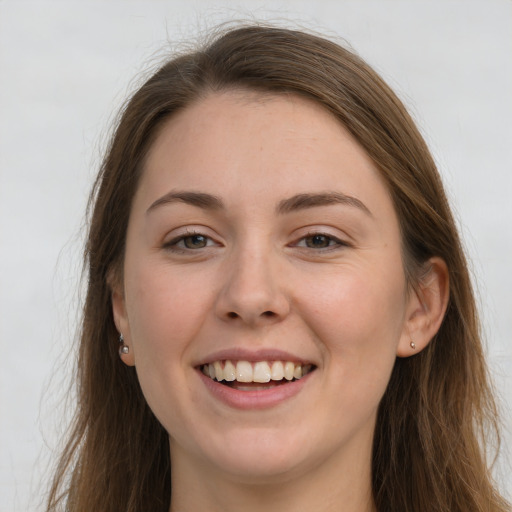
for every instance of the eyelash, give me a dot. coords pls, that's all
(333, 242)
(173, 244)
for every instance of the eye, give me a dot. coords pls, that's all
(195, 241)
(190, 241)
(319, 241)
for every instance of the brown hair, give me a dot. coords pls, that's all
(438, 408)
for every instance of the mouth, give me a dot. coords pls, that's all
(259, 375)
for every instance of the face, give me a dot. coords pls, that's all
(262, 246)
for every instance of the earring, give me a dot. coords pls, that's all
(413, 345)
(123, 349)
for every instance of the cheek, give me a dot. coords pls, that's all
(364, 301)
(165, 309)
(358, 320)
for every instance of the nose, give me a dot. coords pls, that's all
(251, 293)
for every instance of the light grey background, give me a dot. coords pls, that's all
(66, 66)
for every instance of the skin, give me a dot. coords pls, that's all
(262, 281)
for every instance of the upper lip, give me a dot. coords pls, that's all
(242, 354)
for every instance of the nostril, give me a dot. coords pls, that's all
(268, 314)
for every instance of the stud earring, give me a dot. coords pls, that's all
(123, 349)
(413, 345)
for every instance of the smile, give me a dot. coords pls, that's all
(255, 383)
(261, 372)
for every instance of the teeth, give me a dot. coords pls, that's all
(261, 371)
(288, 370)
(277, 371)
(219, 373)
(244, 371)
(229, 371)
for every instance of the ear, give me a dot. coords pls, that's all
(120, 316)
(426, 308)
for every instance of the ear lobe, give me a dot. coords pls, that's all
(426, 308)
(121, 319)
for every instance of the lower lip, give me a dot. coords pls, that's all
(257, 399)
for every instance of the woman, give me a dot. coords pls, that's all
(279, 314)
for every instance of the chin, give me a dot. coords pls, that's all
(259, 458)
(260, 469)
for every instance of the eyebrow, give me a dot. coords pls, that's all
(199, 199)
(295, 203)
(304, 201)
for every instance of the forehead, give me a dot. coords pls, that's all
(254, 145)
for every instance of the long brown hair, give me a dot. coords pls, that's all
(438, 409)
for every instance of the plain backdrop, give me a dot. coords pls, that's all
(66, 67)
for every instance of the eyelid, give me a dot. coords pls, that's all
(338, 242)
(186, 233)
(212, 241)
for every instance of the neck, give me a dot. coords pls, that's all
(325, 488)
